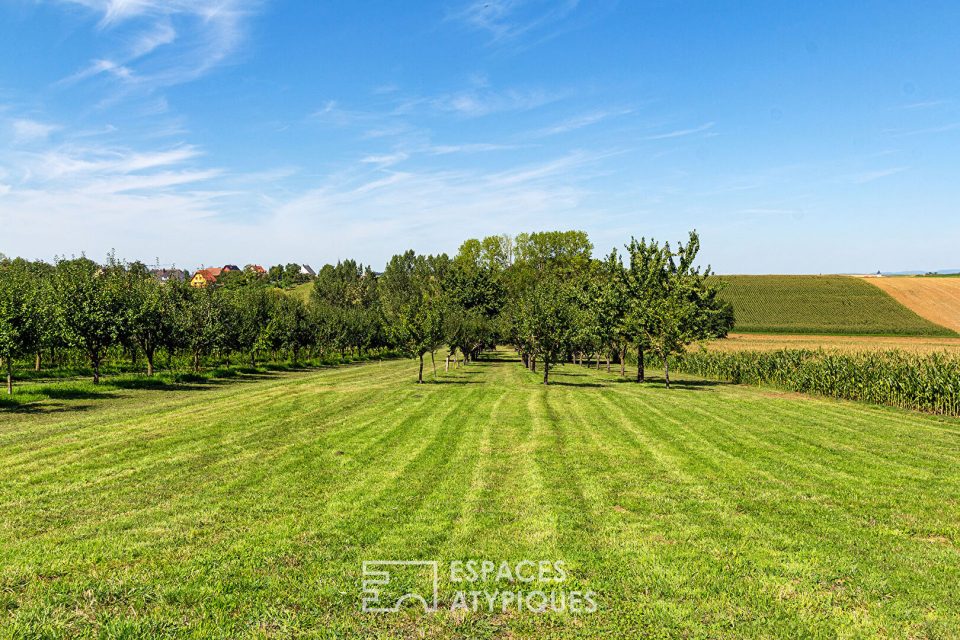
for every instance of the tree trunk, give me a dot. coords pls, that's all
(36, 364)
(533, 364)
(623, 361)
(433, 361)
(666, 370)
(546, 370)
(196, 361)
(608, 362)
(447, 366)
(149, 355)
(598, 361)
(420, 375)
(96, 368)
(9, 376)
(641, 374)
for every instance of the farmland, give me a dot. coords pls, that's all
(837, 343)
(245, 508)
(934, 298)
(828, 305)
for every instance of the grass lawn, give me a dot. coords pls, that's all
(821, 305)
(245, 508)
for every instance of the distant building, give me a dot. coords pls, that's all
(256, 269)
(205, 277)
(306, 270)
(168, 275)
(230, 267)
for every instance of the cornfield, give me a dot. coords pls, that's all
(925, 382)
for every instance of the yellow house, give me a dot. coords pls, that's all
(203, 277)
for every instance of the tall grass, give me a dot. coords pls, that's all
(925, 382)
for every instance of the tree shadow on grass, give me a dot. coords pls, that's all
(561, 383)
(446, 381)
(148, 384)
(38, 407)
(66, 393)
(658, 383)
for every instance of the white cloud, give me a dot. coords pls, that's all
(506, 20)
(154, 203)
(167, 42)
(476, 147)
(679, 133)
(870, 176)
(581, 121)
(26, 130)
(478, 102)
(385, 160)
(953, 126)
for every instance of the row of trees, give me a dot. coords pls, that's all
(80, 307)
(543, 293)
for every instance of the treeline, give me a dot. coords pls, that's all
(929, 383)
(543, 293)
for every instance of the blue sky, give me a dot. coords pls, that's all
(796, 137)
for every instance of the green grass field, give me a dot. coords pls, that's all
(828, 305)
(303, 290)
(245, 508)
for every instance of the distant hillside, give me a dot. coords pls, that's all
(936, 298)
(828, 305)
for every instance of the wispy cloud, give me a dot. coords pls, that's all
(165, 42)
(509, 20)
(385, 160)
(679, 133)
(870, 176)
(581, 121)
(483, 102)
(475, 147)
(769, 211)
(923, 104)
(953, 126)
(27, 130)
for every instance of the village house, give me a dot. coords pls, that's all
(168, 275)
(205, 277)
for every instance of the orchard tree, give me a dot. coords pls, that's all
(18, 317)
(91, 307)
(411, 294)
(203, 323)
(645, 284)
(289, 326)
(548, 319)
(153, 315)
(249, 310)
(684, 306)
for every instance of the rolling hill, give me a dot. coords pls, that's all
(935, 298)
(827, 305)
